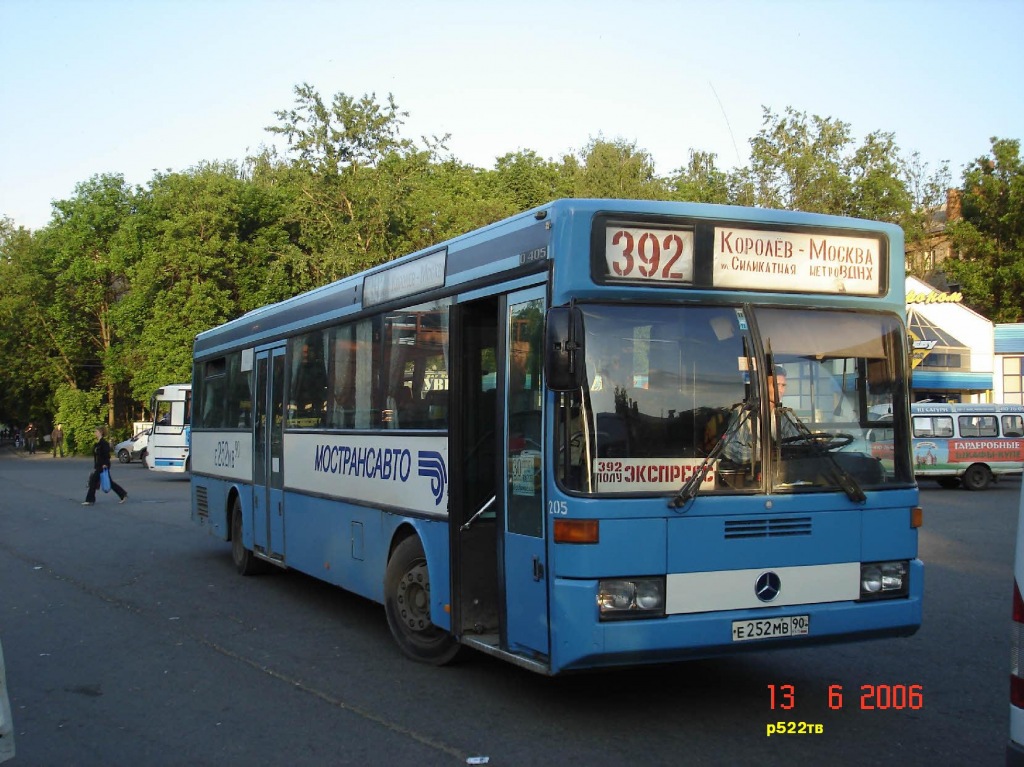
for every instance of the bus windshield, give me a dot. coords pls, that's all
(664, 383)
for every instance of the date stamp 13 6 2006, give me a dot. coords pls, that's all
(870, 697)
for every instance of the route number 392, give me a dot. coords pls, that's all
(650, 254)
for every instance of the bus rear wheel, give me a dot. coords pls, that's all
(977, 477)
(407, 605)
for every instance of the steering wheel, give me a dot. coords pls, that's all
(823, 439)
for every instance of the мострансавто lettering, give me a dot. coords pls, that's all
(388, 463)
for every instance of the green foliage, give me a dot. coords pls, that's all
(80, 412)
(990, 236)
(927, 191)
(524, 180)
(615, 169)
(26, 334)
(701, 180)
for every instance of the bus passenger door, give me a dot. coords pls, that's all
(268, 443)
(525, 558)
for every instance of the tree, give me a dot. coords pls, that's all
(990, 236)
(877, 190)
(615, 169)
(797, 163)
(89, 249)
(927, 191)
(701, 180)
(524, 180)
(351, 174)
(27, 332)
(212, 241)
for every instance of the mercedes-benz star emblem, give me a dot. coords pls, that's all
(767, 586)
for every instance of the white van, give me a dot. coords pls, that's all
(970, 444)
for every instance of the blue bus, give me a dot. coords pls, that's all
(523, 440)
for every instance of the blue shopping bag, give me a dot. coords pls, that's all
(105, 481)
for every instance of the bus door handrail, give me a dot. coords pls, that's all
(469, 522)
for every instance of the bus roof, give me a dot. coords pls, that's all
(515, 246)
(169, 390)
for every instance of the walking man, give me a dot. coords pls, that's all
(101, 461)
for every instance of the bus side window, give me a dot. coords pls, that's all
(923, 427)
(988, 426)
(978, 426)
(1013, 426)
(307, 400)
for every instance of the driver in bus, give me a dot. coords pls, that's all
(742, 445)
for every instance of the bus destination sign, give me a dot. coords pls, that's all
(797, 262)
(646, 254)
(405, 279)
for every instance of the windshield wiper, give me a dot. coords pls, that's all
(690, 488)
(839, 475)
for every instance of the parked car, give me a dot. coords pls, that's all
(134, 447)
(6, 726)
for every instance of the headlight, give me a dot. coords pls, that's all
(884, 580)
(619, 598)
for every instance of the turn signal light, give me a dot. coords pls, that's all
(916, 516)
(576, 531)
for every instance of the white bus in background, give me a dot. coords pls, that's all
(169, 441)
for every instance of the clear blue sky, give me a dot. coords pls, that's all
(133, 86)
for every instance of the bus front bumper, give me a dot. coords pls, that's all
(581, 640)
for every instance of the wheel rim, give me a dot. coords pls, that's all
(412, 599)
(976, 478)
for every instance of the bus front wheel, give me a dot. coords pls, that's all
(977, 477)
(407, 604)
(245, 561)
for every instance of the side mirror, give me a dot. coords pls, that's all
(563, 348)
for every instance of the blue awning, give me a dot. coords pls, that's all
(1009, 338)
(942, 379)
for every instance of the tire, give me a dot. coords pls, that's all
(124, 456)
(142, 457)
(977, 477)
(948, 483)
(407, 604)
(246, 563)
